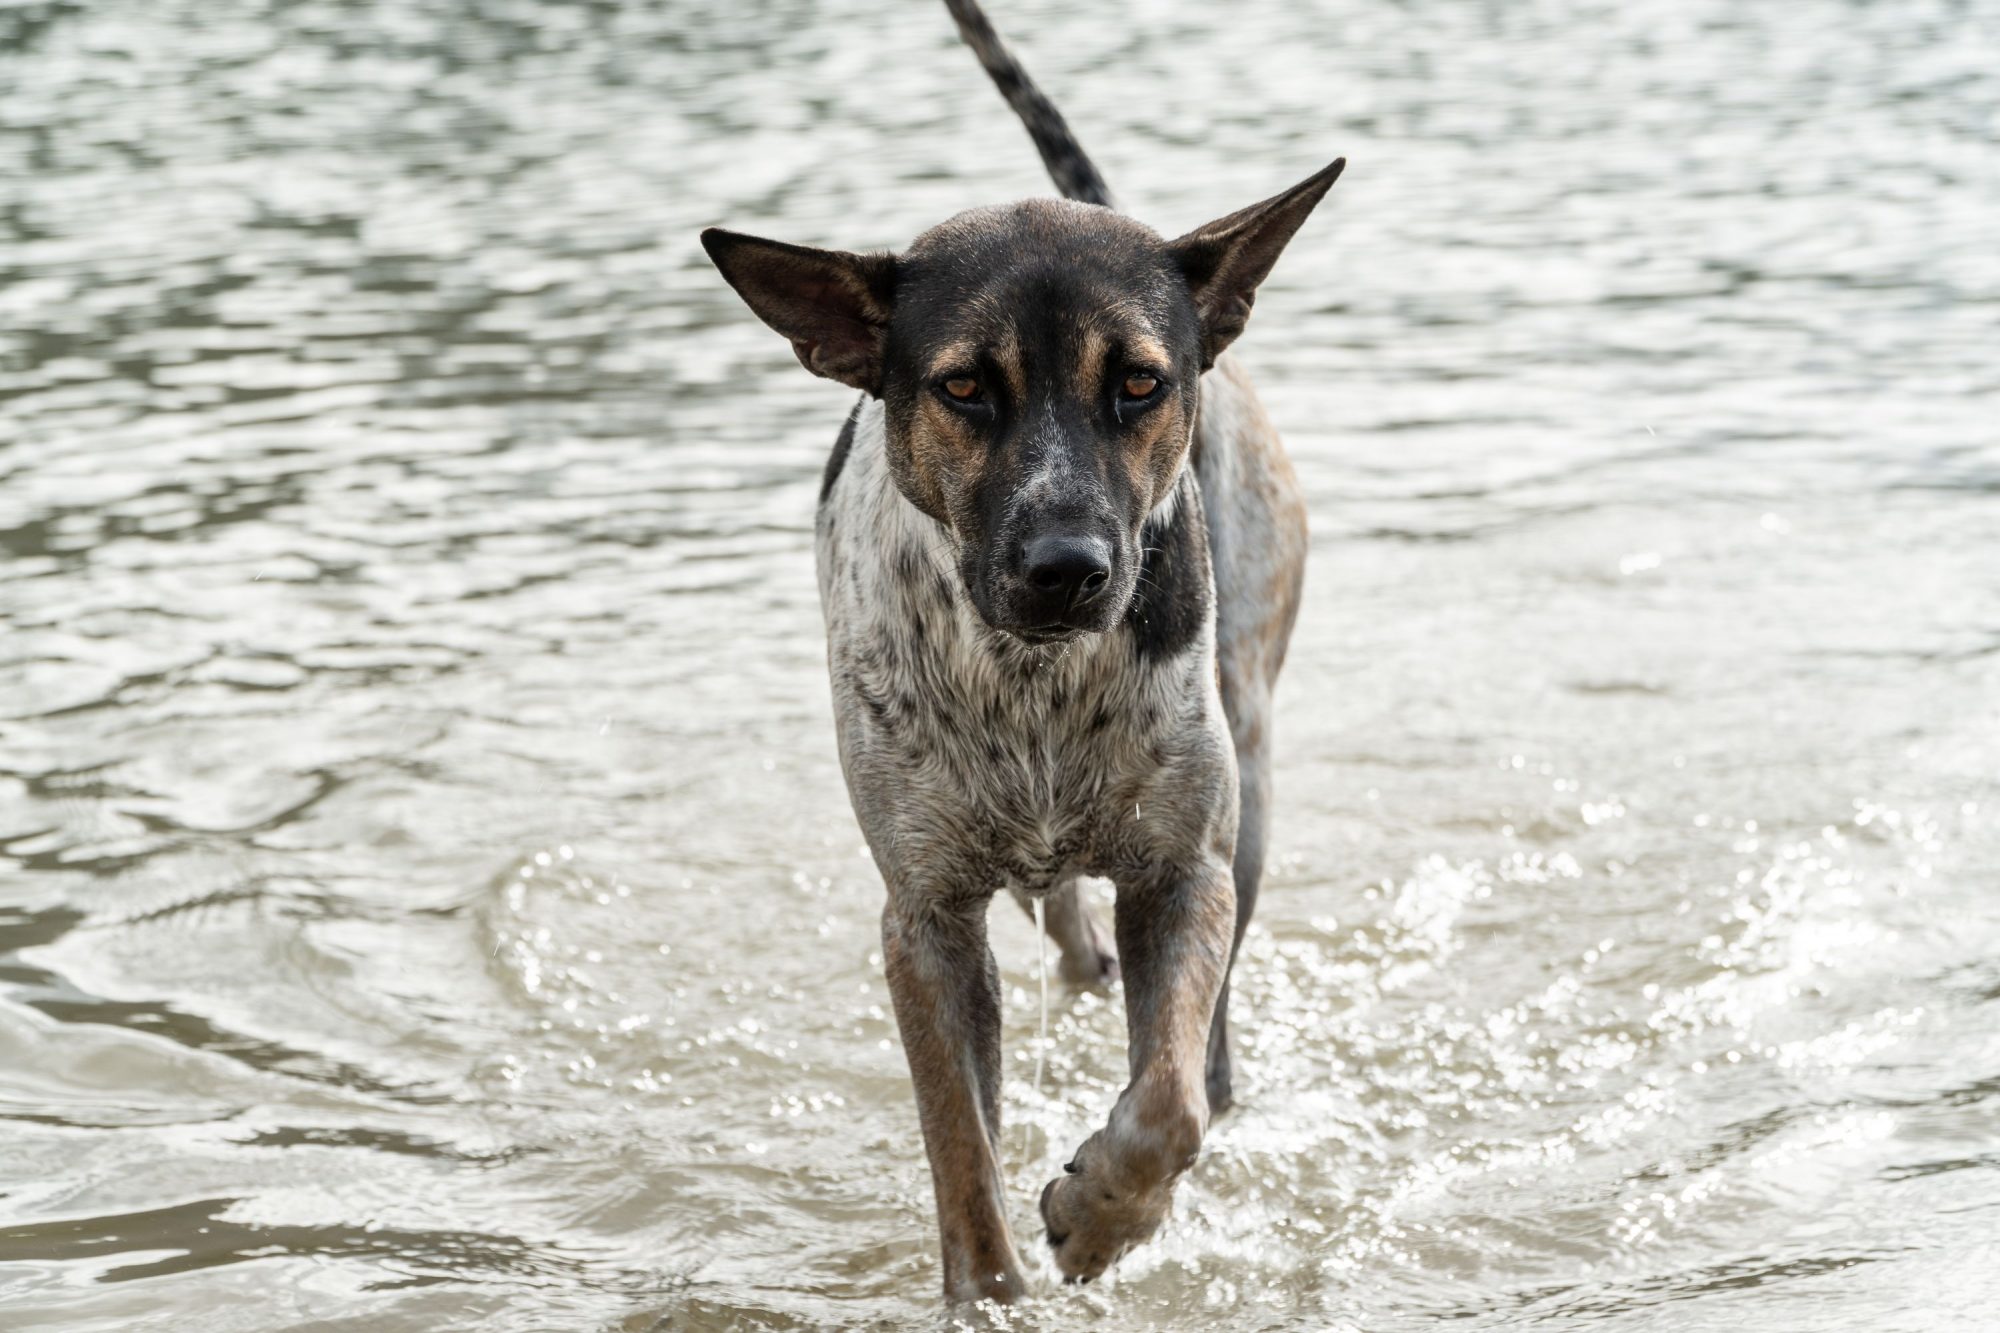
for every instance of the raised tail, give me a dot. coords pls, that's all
(1072, 170)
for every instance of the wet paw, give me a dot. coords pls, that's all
(1221, 1095)
(1098, 967)
(1093, 1219)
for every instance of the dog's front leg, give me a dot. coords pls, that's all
(946, 991)
(1174, 930)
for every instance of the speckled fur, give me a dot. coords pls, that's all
(982, 763)
(978, 764)
(1002, 731)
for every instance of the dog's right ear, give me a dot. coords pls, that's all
(833, 306)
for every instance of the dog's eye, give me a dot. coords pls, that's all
(963, 387)
(1140, 386)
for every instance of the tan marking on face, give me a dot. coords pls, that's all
(1152, 454)
(1086, 374)
(952, 358)
(1149, 352)
(1153, 451)
(946, 459)
(1007, 354)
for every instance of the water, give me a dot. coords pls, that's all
(427, 895)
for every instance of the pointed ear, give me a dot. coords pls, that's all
(1225, 260)
(833, 306)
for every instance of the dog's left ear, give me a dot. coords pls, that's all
(833, 306)
(1226, 260)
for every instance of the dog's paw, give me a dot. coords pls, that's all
(1099, 967)
(1089, 955)
(1093, 1217)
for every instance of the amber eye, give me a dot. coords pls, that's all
(1140, 386)
(962, 387)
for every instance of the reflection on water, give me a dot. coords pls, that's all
(427, 896)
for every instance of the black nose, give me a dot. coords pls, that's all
(1070, 567)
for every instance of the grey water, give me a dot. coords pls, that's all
(428, 899)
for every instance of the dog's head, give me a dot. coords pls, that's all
(1038, 365)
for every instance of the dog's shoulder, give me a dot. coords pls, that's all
(1257, 530)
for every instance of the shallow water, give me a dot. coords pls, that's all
(427, 894)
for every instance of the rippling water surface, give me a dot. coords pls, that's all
(427, 894)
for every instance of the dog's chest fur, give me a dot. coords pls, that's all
(983, 763)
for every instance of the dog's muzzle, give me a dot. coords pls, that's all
(1061, 588)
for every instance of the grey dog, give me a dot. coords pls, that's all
(1059, 550)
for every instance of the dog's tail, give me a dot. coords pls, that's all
(1061, 154)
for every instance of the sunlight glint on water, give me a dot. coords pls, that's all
(428, 898)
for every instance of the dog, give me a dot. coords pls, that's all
(1059, 552)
